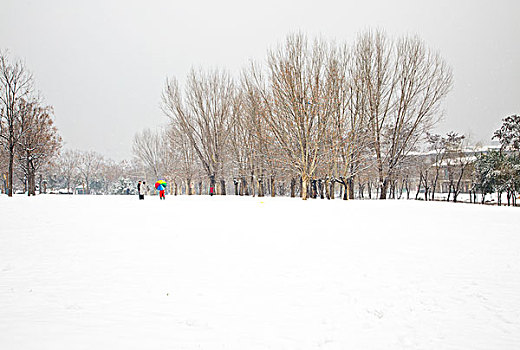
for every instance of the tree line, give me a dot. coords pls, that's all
(315, 116)
(316, 119)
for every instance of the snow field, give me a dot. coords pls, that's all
(78, 272)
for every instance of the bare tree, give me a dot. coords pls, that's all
(405, 84)
(205, 116)
(67, 165)
(89, 166)
(437, 146)
(297, 111)
(16, 84)
(457, 163)
(184, 167)
(149, 147)
(349, 136)
(316, 114)
(38, 143)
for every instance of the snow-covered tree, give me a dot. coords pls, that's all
(509, 133)
(89, 166)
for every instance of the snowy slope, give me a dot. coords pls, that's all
(247, 273)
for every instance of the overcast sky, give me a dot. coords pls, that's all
(103, 64)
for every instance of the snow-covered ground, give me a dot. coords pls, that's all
(112, 272)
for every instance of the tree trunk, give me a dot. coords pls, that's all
(344, 189)
(188, 187)
(384, 188)
(293, 187)
(32, 183)
(260, 187)
(244, 189)
(253, 191)
(40, 184)
(327, 188)
(361, 190)
(273, 189)
(10, 172)
(350, 182)
(223, 187)
(457, 189)
(401, 188)
(418, 187)
(304, 187)
(434, 186)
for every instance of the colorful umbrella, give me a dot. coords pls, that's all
(160, 185)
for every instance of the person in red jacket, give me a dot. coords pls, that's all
(161, 194)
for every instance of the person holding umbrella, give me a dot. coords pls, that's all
(161, 186)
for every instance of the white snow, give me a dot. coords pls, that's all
(112, 272)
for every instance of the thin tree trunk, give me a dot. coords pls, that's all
(188, 187)
(260, 187)
(327, 188)
(350, 182)
(223, 187)
(418, 187)
(10, 172)
(253, 191)
(384, 188)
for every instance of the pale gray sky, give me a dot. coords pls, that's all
(102, 64)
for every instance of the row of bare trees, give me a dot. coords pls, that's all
(314, 115)
(28, 137)
(92, 173)
(86, 172)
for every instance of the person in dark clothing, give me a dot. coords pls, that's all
(140, 189)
